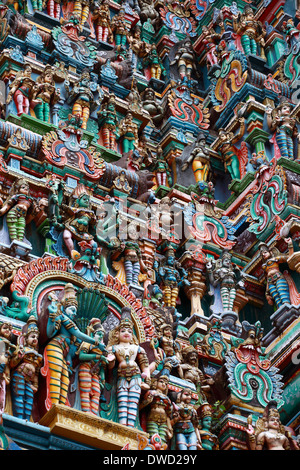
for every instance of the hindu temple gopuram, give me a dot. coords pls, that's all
(150, 225)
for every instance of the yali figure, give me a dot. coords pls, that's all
(133, 368)
(25, 364)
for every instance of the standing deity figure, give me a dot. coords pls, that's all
(234, 161)
(158, 403)
(250, 30)
(25, 368)
(277, 287)
(82, 97)
(185, 60)
(226, 274)
(269, 432)
(82, 10)
(161, 168)
(54, 8)
(91, 373)
(210, 40)
(171, 278)
(185, 423)
(128, 132)
(108, 122)
(189, 370)
(154, 62)
(169, 348)
(133, 368)
(199, 158)
(58, 354)
(21, 90)
(209, 440)
(101, 20)
(138, 47)
(281, 121)
(6, 350)
(120, 28)
(44, 94)
(37, 5)
(150, 104)
(21, 208)
(81, 218)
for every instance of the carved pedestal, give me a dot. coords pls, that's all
(90, 430)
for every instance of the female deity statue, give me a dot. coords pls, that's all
(209, 440)
(128, 132)
(81, 218)
(199, 158)
(91, 374)
(21, 208)
(160, 412)
(281, 121)
(59, 352)
(133, 368)
(25, 366)
(6, 351)
(154, 62)
(108, 122)
(277, 288)
(225, 274)
(82, 97)
(101, 20)
(185, 423)
(269, 433)
(250, 30)
(21, 90)
(210, 40)
(44, 94)
(234, 160)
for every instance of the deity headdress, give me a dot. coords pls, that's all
(69, 297)
(31, 326)
(204, 410)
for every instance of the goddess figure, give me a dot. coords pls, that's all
(91, 375)
(21, 208)
(199, 158)
(44, 94)
(281, 121)
(277, 288)
(25, 364)
(108, 122)
(133, 368)
(63, 332)
(159, 415)
(21, 90)
(185, 423)
(269, 433)
(81, 218)
(251, 31)
(6, 350)
(128, 131)
(209, 440)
